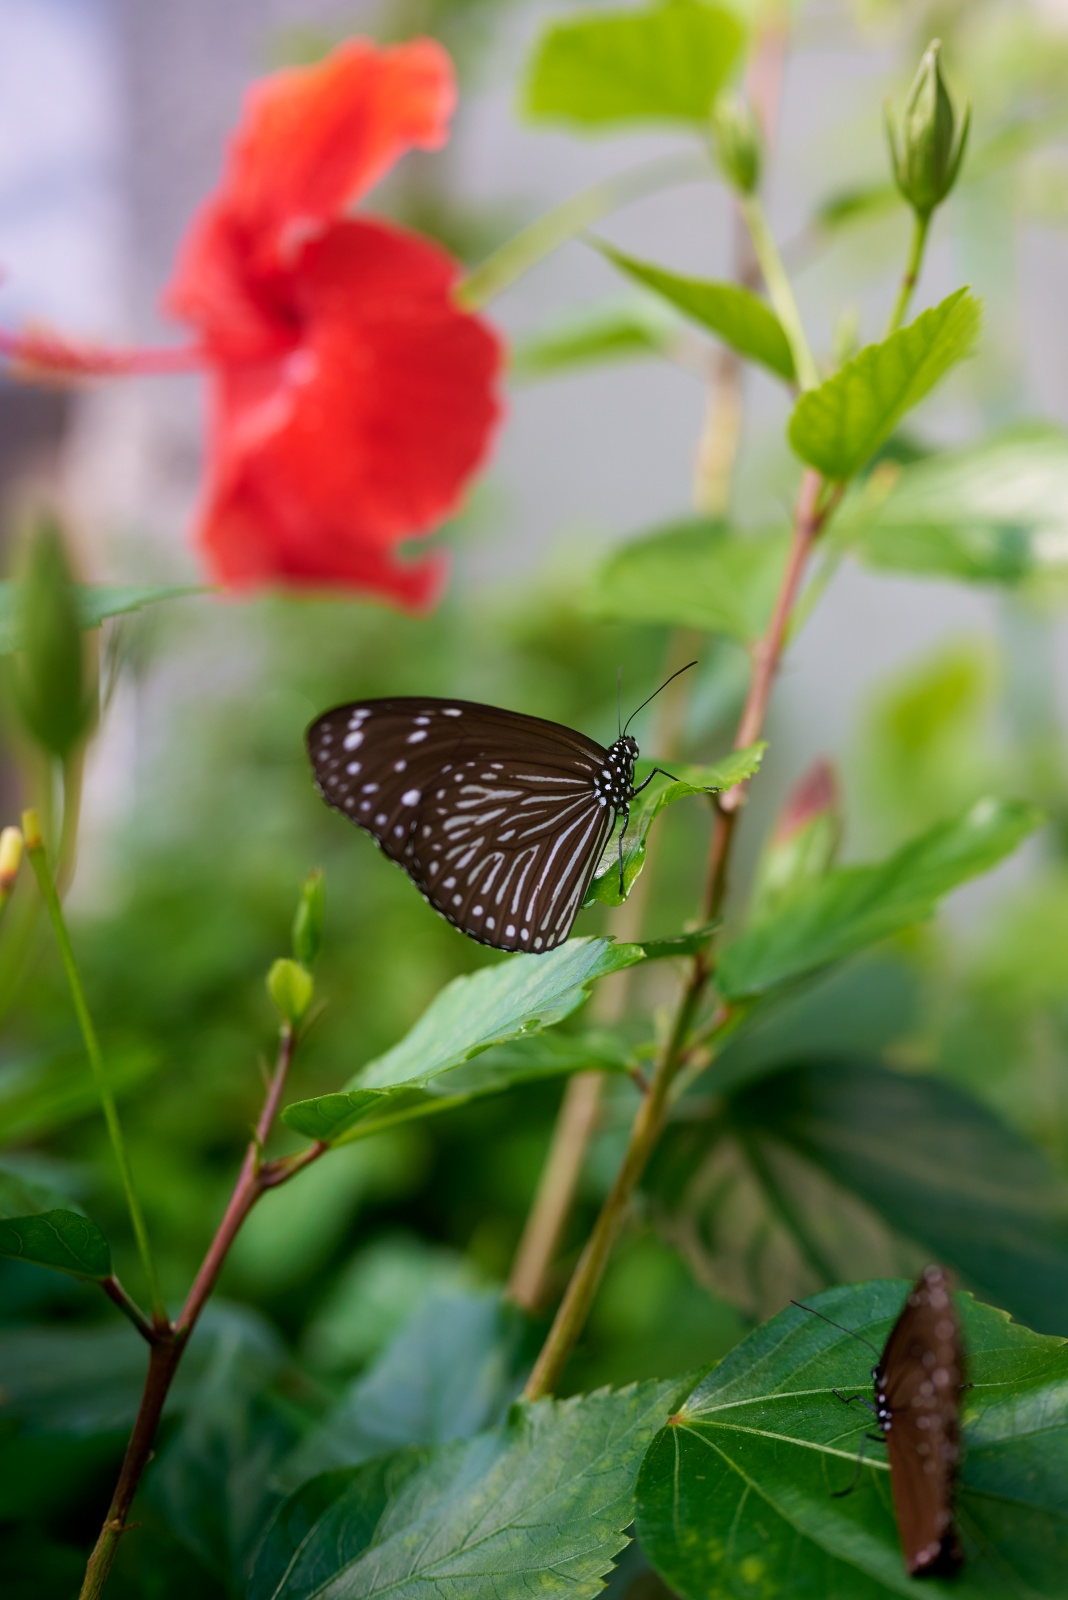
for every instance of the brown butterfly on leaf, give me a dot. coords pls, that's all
(918, 1381)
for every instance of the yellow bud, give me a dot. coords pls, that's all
(10, 857)
(31, 830)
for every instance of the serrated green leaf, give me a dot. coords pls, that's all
(605, 332)
(697, 573)
(538, 1506)
(492, 1007)
(733, 313)
(838, 426)
(450, 1372)
(736, 1497)
(994, 513)
(853, 907)
(94, 603)
(39, 1225)
(663, 62)
(645, 808)
(833, 1167)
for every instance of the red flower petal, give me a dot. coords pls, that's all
(311, 141)
(366, 433)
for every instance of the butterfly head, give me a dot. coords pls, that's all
(615, 782)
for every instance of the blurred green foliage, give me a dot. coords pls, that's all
(788, 1166)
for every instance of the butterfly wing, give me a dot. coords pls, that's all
(493, 815)
(921, 1373)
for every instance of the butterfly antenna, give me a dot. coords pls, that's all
(812, 1312)
(655, 692)
(619, 701)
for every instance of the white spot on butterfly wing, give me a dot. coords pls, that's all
(411, 797)
(451, 711)
(353, 740)
(414, 738)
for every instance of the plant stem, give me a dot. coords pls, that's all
(255, 1178)
(917, 245)
(780, 289)
(129, 1308)
(647, 1127)
(35, 849)
(531, 1275)
(811, 512)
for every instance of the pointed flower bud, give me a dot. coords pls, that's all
(805, 841)
(932, 144)
(54, 699)
(739, 145)
(292, 990)
(308, 922)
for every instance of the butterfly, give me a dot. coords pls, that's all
(499, 819)
(918, 1382)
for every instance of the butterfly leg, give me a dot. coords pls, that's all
(840, 1494)
(622, 831)
(839, 1396)
(656, 770)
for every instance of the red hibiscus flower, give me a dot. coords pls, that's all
(352, 399)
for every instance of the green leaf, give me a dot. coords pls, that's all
(838, 427)
(734, 314)
(995, 513)
(94, 604)
(536, 1507)
(831, 1168)
(736, 1496)
(853, 907)
(697, 573)
(664, 62)
(492, 1007)
(41, 1226)
(660, 792)
(605, 332)
(449, 1373)
(213, 1479)
(84, 1379)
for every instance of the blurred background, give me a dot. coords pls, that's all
(198, 817)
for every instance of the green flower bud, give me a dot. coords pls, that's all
(308, 922)
(54, 700)
(931, 149)
(739, 145)
(292, 990)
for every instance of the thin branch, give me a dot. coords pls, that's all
(129, 1308)
(168, 1345)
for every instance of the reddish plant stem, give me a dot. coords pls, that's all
(167, 1345)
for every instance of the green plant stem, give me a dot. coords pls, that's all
(547, 233)
(255, 1178)
(780, 289)
(917, 245)
(648, 1125)
(35, 849)
(813, 508)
